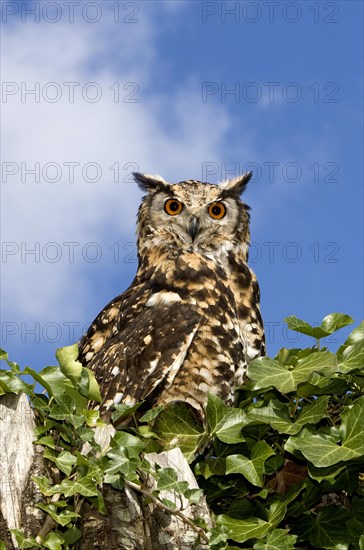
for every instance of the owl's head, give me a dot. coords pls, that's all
(193, 215)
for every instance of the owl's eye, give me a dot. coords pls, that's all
(173, 207)
(216, 210)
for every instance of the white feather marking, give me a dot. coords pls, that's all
(89, 356)
(153, 364)
(98, 344)
(162, 298)
(227, 184)
(118, 397)
(115, 371)
(154, 177)
(176, 365)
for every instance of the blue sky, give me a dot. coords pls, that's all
(185, 89)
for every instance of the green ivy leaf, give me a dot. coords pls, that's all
(296, 324)
(278, 417)
(357, 335)
(352, 358)
(64, 461)
(215, 411)
(63, 518)
(326, 474)
(323, 452)
(351, 428)
(123, 411)
(88, 387)
(266, 372)
(128, 443)
(211, 467)
(11, 383)
(326, 530)
(72, 535)
(51, 378)
(178, 425)
(23, 541)
(228, 430)
(243, 530)
(193, 495)
(53, 541)
(252, 469)
(67, 359)
(278, 539)
(335, 321)
(167, 480)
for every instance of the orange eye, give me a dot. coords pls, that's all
(217, 210)
(173, 207)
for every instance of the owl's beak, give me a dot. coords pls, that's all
(193, 228)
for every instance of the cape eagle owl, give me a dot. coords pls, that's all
(190, 321)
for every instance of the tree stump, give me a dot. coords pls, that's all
(130, 524)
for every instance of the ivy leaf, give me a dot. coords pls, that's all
(3, 355)
(243, 530)
(63, 518)
(296, 324)
(150, 415)
(64, 461)
(277, 417)
(215, 411)
(228, 430)
(266, 372)
(285, 355)
(128, 443)
(179, 425)
(328, 474)
(357, 335)
(211, 467)
(252, 469)
(53, 541)
(11, 383)
(326, 530)
(42, 483)
(193, 495)
(51, 378)
(278, 539)
(321, 451)
(63, 409)
(335, 321)
(352, 358)
(67, 359)
(72, 535)
(124, 456)
(351, 428)
(88, 387)
(167, 480)
(83, 486)
(23, 541)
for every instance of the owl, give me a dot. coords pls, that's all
(190, 321)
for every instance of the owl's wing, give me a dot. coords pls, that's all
(144, 350)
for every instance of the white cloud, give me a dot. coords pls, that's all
(104, 132)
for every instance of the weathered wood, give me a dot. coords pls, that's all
(20, 459)
(130, 524)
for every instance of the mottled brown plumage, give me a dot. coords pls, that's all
(190, 321)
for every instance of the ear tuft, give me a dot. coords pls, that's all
(237, 185)
(148, 182)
